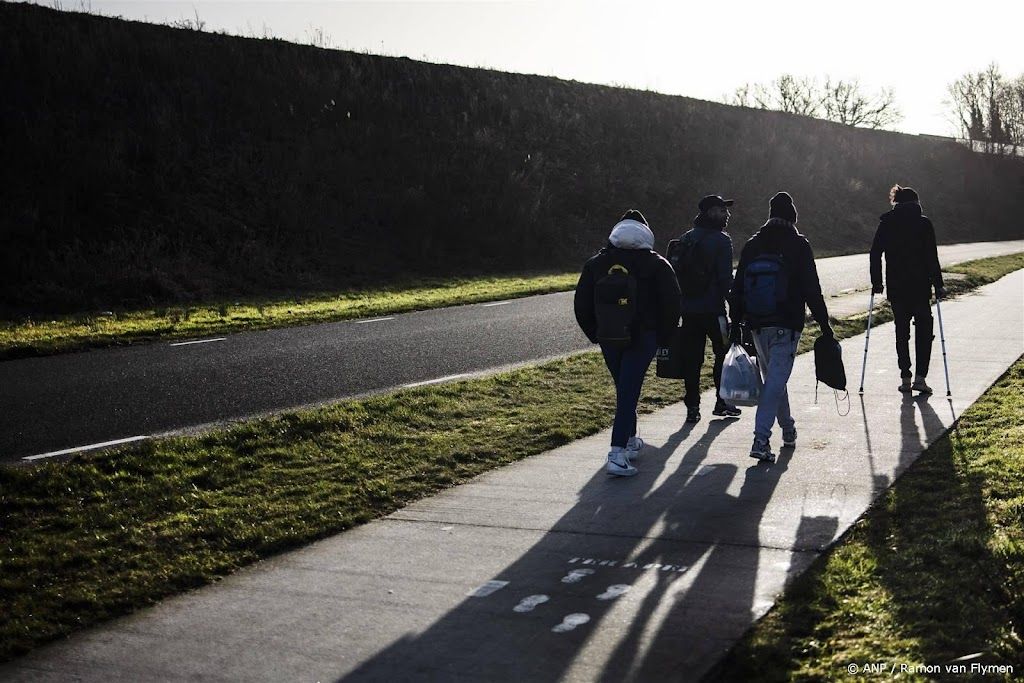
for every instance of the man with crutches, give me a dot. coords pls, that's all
(907, 238)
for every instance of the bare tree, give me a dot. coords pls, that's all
(988, 107)
(844, 102)
(840, 101)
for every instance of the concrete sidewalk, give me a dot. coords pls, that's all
(548, 569)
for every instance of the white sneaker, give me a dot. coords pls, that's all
(634, 446)
(618, 464)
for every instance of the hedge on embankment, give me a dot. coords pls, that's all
(145, 164)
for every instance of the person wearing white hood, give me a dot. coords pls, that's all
(627, 300)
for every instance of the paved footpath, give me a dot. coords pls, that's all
(548, 569)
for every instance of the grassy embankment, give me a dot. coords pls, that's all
(932, 573)
(71, 333)
(104, 534)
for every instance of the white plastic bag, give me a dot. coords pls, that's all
(741, 378)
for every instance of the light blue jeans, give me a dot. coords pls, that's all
(776, 351)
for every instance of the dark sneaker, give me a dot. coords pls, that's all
(693, 415)
(725, 410)
(920, 385)
(762, 451)
(905, 385)
(789, 438)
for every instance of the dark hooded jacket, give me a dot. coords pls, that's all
(779, 236)
(907, 238)
(715, 247)
(657, 289)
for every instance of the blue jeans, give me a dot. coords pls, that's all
(776, 351)
(628, 367)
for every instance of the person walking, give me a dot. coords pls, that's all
(907, 239)
(627, 300)
(702, 260)
(775, 280)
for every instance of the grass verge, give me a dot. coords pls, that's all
(934, 570)
(104, 534)
(96, 330)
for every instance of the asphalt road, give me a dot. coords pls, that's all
(80, 399)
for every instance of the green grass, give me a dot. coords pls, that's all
(934, 570)
(107, 533)
(41, 337)
(57, 335)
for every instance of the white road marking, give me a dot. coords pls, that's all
(90, 447)
(615, 591)
(488, 588)
(571, 621)
(577, 575)
(198, 341)
(497, 303)
(529, 603)
(374, 320)
(434, 381)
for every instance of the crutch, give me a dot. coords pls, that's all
(942, 338)
(864, 365)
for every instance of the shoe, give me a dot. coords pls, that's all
(905, 386)
(762, 451)
(789, 438)
(920, 385)
(724, 409)
(693, 415)
(633, 447)
(618, 464)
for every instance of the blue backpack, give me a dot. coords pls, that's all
(765, 287)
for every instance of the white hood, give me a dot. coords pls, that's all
(630, 234)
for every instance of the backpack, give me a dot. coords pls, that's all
(692, 271)
(828, 363)
(765, 287)
(615, 306)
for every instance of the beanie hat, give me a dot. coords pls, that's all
(634, 215)
(781, 206)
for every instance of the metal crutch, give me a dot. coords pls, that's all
(864, 365)
(942, 338)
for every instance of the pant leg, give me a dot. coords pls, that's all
(924, 334)
(613, 361)
(719, 346)
(776, 352)
(693, 336)
(902, 313)
(636, 358)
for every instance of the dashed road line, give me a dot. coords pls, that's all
(198, 341)
(374, 320)
(496, 303)
(435, 381)
(90, 447)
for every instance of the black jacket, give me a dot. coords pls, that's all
(907, 239)
(779, 236)
(716, 248)
(657, 291)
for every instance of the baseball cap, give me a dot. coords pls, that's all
(713, 200)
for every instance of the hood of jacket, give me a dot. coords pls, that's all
(777, 226)
(903, 210)
(630, 234)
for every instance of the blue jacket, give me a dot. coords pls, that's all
(716, 248)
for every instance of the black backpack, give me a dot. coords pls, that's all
(692, 271)
(765, 287)
(615, 306)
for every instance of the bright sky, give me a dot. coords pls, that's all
(682, 48)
